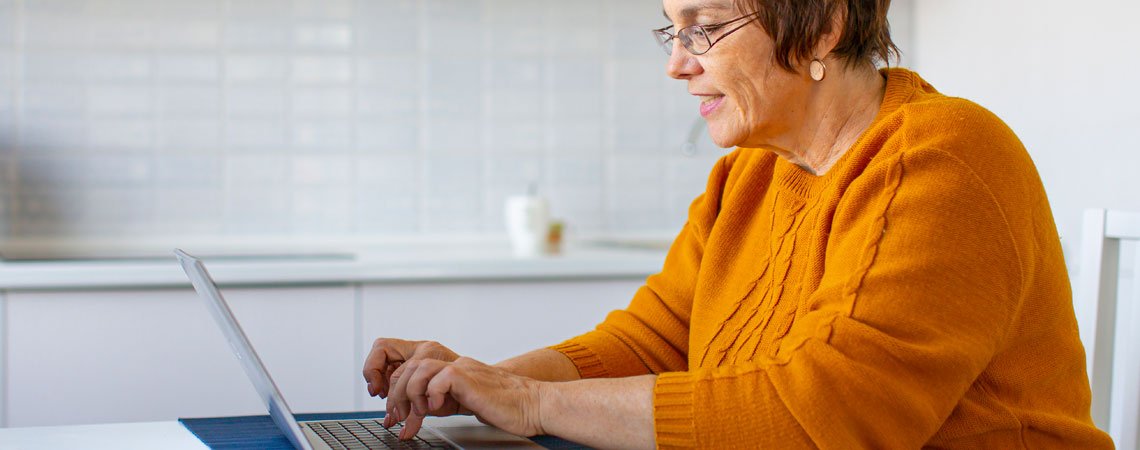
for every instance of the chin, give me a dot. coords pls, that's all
(724, 138)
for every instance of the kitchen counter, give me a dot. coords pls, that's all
(126, 312)
(337, 264)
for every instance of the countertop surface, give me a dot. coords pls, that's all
(169, 435)
(331, 264)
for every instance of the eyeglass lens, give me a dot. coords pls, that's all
(695, 39)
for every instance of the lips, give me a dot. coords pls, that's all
(709, 104)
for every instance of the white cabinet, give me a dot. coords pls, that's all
(115, 356)
(71, 357)
(491, 321)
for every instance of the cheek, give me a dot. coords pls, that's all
(748, 101)
(749, 84)
(750, 71)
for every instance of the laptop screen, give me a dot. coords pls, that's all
(258, 375)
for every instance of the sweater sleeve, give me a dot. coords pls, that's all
(921, 282)
(652, 334)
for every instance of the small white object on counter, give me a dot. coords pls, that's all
(528, 220)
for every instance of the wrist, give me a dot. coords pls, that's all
(549, 399)
(507, 365)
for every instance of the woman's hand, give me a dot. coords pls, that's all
(388, 355)
(434, 387)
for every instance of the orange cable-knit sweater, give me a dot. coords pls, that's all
(914, 295)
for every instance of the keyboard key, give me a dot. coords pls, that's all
(371, 434)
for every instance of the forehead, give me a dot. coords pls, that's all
(688, 9)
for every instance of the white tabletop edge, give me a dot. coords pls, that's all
(169, 435)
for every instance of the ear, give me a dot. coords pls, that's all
(830, 39)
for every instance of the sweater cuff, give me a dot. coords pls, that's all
(588, 363)
(598, 354)
(673, 418)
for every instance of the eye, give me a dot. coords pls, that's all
(712, 28)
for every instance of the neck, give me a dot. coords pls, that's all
(841, 108)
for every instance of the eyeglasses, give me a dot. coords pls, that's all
(695, 38)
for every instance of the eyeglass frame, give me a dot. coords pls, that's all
(660, 33)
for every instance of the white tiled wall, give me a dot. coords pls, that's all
(159, 117)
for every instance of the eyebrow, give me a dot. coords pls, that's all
(690, 12)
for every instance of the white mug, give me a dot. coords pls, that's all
(528, 218)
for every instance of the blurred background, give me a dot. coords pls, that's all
(337, 117)
(133, 118)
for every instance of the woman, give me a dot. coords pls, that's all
(876, 266)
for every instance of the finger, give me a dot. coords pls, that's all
(449, 407)
(396, 374)
(412, 385)
(418, 382)
(398, 397)
(392, 415)
(411, 426)
(388, 419)
(388, 374)
(384, 353)
(375, 365)
(442, 387)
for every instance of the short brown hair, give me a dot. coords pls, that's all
(797, 25)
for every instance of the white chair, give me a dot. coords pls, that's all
(1113, 364)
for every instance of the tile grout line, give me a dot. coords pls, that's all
(225, 215)
(422, 102)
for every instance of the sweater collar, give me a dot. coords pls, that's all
(902, 85)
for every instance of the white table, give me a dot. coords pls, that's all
(169, 435)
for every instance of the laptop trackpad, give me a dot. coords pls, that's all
(468, 433)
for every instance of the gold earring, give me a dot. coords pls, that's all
(818, 70)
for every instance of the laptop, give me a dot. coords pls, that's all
(460, 432)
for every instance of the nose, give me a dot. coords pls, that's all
(682, 65)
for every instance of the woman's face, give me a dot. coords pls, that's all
(746, 98)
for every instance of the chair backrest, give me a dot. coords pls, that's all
(1113, 364)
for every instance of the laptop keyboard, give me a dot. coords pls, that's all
(371, 434)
